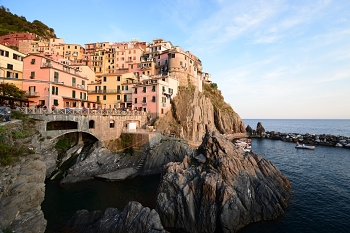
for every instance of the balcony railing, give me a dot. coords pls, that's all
(108, 91)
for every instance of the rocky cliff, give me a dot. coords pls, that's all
(22, 187)
(134, 218)
(223, 191)
(193, 112)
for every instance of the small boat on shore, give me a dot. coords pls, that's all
(304, 147)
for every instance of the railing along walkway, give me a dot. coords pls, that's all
(76, 111)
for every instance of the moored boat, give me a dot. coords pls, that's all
(303, 146)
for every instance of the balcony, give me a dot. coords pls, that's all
(108, 91)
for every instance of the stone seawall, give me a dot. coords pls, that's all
(314, 139)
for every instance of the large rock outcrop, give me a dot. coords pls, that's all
(193, 112)
(22, 187)
(225, 191)
(134, 218)
(22, 192)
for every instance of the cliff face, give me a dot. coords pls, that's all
(223, 191)
(193, 112)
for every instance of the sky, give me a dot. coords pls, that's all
(273, 59)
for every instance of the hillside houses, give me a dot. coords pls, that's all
(132, 75)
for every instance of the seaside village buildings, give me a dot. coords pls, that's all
(131, 75)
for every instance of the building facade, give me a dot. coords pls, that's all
(154, 94)
(48, 82)
(11, 66)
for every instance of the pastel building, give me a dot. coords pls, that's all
(11, 66)
(112, 90)
(49, 82)
(154, 94)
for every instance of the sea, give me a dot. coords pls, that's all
(320, 184)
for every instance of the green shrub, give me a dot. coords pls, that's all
(6, 230)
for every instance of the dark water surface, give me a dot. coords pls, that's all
(320, 194)
(61, 202)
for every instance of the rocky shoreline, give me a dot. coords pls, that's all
(313, 139)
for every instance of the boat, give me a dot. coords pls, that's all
(304, 147)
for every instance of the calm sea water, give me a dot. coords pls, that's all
(317, 126)
(320, 193)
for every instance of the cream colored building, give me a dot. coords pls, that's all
(11, 66)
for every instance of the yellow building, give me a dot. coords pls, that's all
(11, 66)
(112, 90)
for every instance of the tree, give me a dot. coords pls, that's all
(9, 89)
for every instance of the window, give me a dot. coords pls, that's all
(144, 100)
(97, 98)
(84, 96)
(135, 91)
(153, 88)
(73, 94)
(118, 97)
(55, 77)
(10, 66)
(153, 99)
(81, 95)
(73, 82)
(54, 90)
(135, 101)
(83, 83)
(173, 55)
(170, 91)
(163, 99)
(104, 97)
(180, 63)
(32, 74)
(55, 102)
(91, 124)
(118, 78)
(163, 89)
(7, 54)
(104, 79)
(111, 124)
(144, 89)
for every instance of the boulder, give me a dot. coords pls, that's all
(134, 218)
(230, 190)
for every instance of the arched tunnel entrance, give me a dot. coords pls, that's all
(72, 148)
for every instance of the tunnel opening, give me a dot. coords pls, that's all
(61, 125)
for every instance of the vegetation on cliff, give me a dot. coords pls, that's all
(12, 23)
(15, 139)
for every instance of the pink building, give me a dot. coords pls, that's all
(153, 94)
(49, 82)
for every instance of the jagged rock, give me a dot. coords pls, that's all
(249, 130)
(134, 218)
(193, 112)
(260, 130)
(229, 191)
(22, 194)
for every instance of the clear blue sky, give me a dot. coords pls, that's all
(270, 59)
